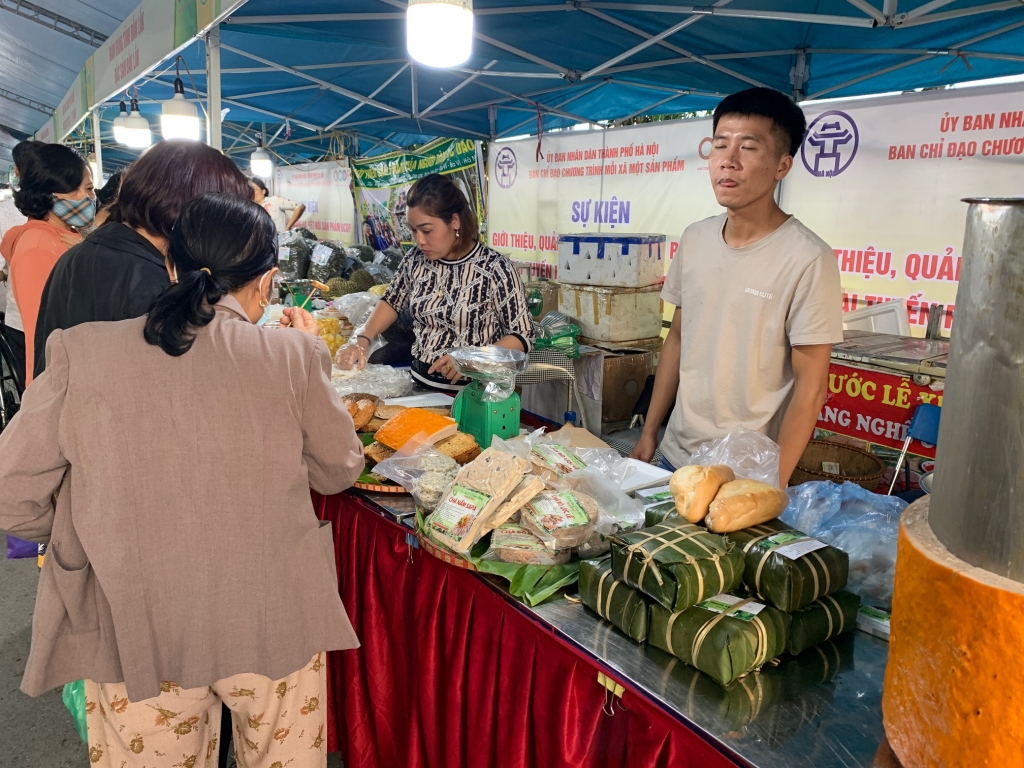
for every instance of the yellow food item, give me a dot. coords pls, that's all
(744, 503)
(694, 488)
(412, 422)
(378, 290)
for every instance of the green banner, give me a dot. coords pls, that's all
(404, 167)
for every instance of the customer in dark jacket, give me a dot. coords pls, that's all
(121, 269)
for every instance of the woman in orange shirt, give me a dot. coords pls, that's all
(55, 192)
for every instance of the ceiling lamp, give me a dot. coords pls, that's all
(119, 134)
(179, 119)
(137, 134)
(260, 162)
(439, 33)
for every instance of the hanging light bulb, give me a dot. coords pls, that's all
(137, 134)
(260, 162)
(439, 33)
(179, 119)
(119, 134)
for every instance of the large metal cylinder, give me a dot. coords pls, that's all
(977, 507)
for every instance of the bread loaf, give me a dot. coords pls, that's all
(694, 488)
(743, 503)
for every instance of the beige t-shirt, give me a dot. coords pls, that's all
(741, 312)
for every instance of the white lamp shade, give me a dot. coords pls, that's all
(119, 133)
(179, 119)
(261, 164)
(137, 133)
(439, 33)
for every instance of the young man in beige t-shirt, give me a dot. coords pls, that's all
(757, 295)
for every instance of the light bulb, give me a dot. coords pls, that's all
(260, 162)
(119, 134)
(439, 33)
(179, 119)
(137, 133)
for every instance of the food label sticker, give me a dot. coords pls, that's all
(557, 510)
(512, 536)
(455, 515)
(831, 467)
(661, 506)
(321, 255)
(873, 620)
(722, 603)
(794, 544)
(558, 458)
(284, 253)
(282, 238)
(654, 495)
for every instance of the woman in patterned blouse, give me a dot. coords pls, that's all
(460, 292)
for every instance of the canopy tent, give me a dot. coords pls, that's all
(343, 78)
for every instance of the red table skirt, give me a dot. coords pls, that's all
(451, 673)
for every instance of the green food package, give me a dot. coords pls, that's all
(612, 599)
(788, 568)
(825, 618)
(724, 637)
(677, 563)
(659, 513)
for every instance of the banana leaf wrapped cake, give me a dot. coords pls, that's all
(660, 512)
(787, 568)
(825, 618)
(677, 563)
(613, 600)
(724, 637)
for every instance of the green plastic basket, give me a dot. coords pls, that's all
(483, 420)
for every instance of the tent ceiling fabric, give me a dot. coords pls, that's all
(330, 66)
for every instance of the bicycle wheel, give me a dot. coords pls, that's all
(10, 385)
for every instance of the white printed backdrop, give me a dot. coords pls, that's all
(326, 191)
(880, 180)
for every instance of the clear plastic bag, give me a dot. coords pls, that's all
(617, 512)
(424, 472)
(557, 331)
(293, 254)
(497, 367)
(381, 380)
(356, 306)
(750, 454)
(863, 524)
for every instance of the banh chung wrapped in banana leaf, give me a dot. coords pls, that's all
(725, 637)
(612, 599)
(660, 512)
(677, 563)
(788, 568)
(825, 618)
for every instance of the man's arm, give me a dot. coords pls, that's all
(810, 388)
(296, 215)
(666, 385)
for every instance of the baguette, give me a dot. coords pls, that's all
(744, 503)
(694, 488)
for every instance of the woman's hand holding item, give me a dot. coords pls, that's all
(301, 320)
(353, 355)
(446, 368)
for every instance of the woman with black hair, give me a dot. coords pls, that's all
(285, 213)
(460, 293)
(55, 193)
(186, 566)
(106, 196)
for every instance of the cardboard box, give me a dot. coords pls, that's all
(625, 373)
(613, 314)
(649, 345)
(622, 261)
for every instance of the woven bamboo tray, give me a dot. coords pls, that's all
(441, 554)
(856, 466)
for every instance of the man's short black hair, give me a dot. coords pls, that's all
(788, 119)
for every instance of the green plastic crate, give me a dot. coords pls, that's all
(482, 420)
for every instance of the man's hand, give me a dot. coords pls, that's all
(810, 390)
(645, 448)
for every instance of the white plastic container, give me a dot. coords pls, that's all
(613, 314)
(616, 261)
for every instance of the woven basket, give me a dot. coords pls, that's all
(857, 466)
(449, 557)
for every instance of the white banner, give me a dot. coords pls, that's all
(880, 180)
(326, 191)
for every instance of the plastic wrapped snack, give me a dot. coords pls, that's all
(750, 454)
(614, 600)
(724, 636)
(677, 563)
(335, 329)
(381, 380)
(788, 568)
(293, 256)
(557, 331)
(496, 367)
(512, 543)
(617, 513)
(424, 472)
(326, 260)
(356, 306)
(561, 519)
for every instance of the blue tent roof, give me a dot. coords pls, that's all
(343, 66)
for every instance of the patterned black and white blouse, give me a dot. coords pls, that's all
(471, 302)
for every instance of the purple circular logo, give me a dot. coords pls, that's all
(506, 168)
(830, 144)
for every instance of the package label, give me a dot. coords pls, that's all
(557, 510)
(512, 536)
(321, 255)
(455, 515)
(794, 544)
(557, 458)
(654, 495)
(722, 603)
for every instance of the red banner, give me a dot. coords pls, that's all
(875, 407)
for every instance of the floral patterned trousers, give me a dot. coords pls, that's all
(277, 723)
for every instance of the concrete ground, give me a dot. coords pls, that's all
(34, 733)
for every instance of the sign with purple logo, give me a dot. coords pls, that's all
(830, 144)
(506, 168)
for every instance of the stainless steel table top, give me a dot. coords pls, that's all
(821, 709)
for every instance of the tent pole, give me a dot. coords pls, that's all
(384, 85)
(213, 134)
(97, 146)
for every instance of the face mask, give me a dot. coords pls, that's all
(75, 213)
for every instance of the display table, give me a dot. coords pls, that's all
(454, 672)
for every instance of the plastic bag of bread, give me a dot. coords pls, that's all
(614, 600)
(560, 519)
(512, 543)
(744, 503)
(694, 488)
(724, 637)
(787, 568)
(748, 453)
